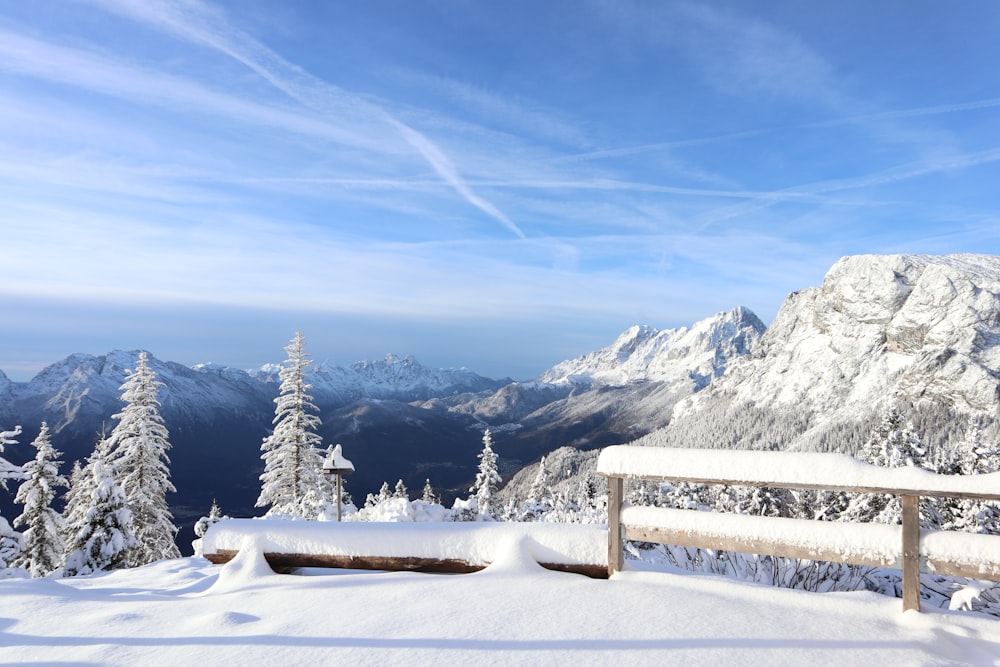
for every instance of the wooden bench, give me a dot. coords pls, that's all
(904, 547)
(454, 548)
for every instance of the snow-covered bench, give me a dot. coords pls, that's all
(904, 547)
(416, 546)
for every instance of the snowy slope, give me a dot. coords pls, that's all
(185, 612)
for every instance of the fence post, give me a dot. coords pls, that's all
(911, 552)
(616, 494)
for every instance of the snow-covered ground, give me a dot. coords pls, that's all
(186, 611)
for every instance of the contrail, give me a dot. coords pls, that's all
(197, 22)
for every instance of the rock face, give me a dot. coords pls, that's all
(881, 330)
(686, 357)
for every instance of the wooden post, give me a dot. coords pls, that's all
(616, 493)
(911, 552)
(340, 496)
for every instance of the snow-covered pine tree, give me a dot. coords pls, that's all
(105, 537)
(138, 459)
(539, 501)
(975, 456)
(587, 493)
(293, 460)
(401, 491)
(763, 501)
(10, 540)
(79, 497)
(428, 495)
(204, 523)
(484, 489)
(892, 444)
(384, 493)
(43, 538)
(7, 469)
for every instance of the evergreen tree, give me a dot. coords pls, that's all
(105, 537)
(43, 537)
(539, 501)
(484, 489)
(762, 501)
(974, 456)
(384, 493)
(428, 495)
(138, 459)
(11, 542)
(7, 469)
(401, 491)
(587, 494)
(79, 497)
(293, 460)
(892, 444)
(204, 523)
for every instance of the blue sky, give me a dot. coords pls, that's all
(496, 185)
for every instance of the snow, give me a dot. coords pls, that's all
(477, 543)
(787, 470)
(186, 611)
(336, 461)
(686, 357)
(957, 547)
(881, 329)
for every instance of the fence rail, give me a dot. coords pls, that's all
(936, 551)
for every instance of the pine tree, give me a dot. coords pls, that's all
(79, 497)
(204, 523)
(11, 542)
(487, 480)
(401, 491)
(384, 493)
(974, 456)
(428, 495)
(138, 458)
(292, 456)
(586, 493)
(43, 538)
(892, 444)
(539, 501)
(105, 537)
(7, 469)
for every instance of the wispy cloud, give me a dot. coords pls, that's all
(206, 25)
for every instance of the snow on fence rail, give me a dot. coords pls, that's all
(424, 547)
(904, 547)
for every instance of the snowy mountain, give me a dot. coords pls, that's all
(615, 394)
(217, 417)
(396, 378)
(917, 332)
(684, 357)
(902, 330)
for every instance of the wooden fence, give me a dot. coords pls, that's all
(942, 552)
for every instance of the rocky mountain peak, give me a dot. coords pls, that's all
(686, 355)
(880, 329)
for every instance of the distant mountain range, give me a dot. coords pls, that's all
(917, 331)
(395, 418)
